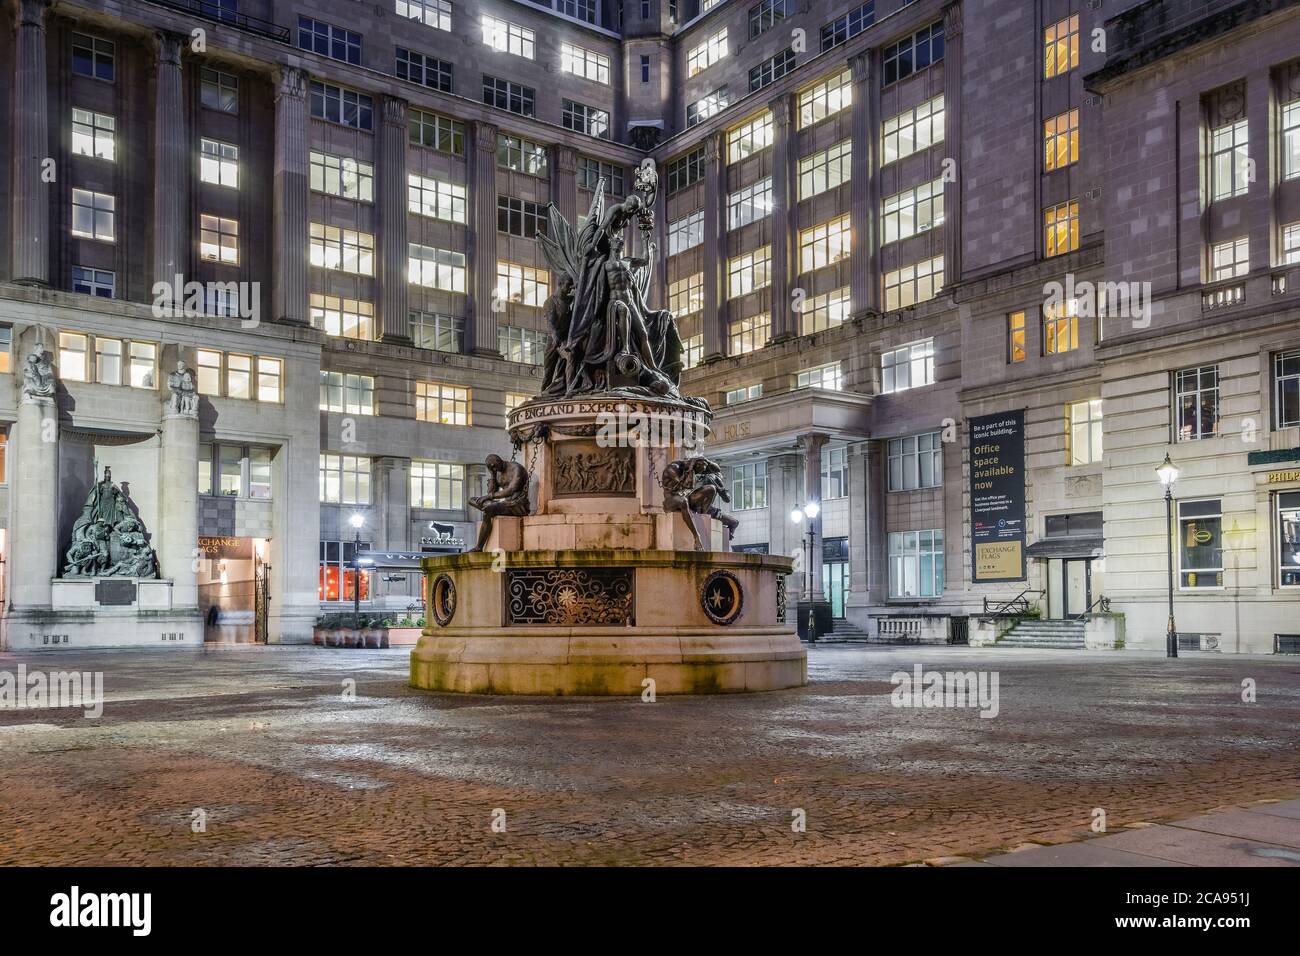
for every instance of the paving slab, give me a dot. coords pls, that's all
(1199, 848)
(1262, 827)
(1284, 808)
(1086, 853)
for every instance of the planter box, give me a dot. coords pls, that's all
(403, 636)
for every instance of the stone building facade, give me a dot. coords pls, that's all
(878, 221)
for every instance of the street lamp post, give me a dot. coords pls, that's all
(1168, 473)
(809, 511)
(357, 520)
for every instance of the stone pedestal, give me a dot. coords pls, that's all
(599, 591)
(178, 515)
(35, 508)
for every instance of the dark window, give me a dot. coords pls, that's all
(93, 57)
(425, 70)
(771, 70)
(850, 25)
(347, 107)
(519, 217)
(766, 14)
(585, 119)
(1083, 524)
(686, 170)
(913, 53)
(437, 132)
(509, 96)
(329, 40)
(590, 171)
(645, 69)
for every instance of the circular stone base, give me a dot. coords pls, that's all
(581, 662)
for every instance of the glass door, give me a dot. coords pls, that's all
(835, 582)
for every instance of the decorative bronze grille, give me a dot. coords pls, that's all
(570, 596)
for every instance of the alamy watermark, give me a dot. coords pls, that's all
(627, 428)
(946, 689)
(41, 690)
(241, 300)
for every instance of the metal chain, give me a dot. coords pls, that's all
(654, 472)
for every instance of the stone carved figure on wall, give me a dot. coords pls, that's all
(604, 335)
(184, 397)
(507, 494)
(38, 376)
(692, 485)
(108, 539)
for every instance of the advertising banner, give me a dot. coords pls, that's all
(997, 497)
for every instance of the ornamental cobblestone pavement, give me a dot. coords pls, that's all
(288, 770)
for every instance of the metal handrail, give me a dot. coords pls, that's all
(210, 10)
(1017, 605)
(1102, 601)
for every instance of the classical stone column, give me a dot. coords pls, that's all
(393, 502)
(171, 150)
(784, 493)
(30, 130)
(34, 502)
(394, 320)
(563, 163)
(291, 182)
(178, 500)
(864, 277)
(482, 167)
(785, 206)
(659, 283)
(713, 321)
(812, 444)
(952, 116)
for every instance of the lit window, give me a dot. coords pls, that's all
(341, 176)
(436, 268)
(692, 351)
(912, 211)
(703, 56)
(1229, 161)
(433, 13)
(916, 563)
(1196, 403)
(585, 63)
(746, 393)
(239, 376)
(749, 204)
(1060, 326)
(93, 215)
(1061, 140)
(445, 404)
(93, 134)
(1200, 544)
(686, 296)
(1061, 47)
(1016, 337)
(908, 366)
(824, 312)
(522, 285)
(827, 377)
(1291, 139)
(913, 284)
(142, 365)
(349, 318)
(1230, 259)
(749, 272)
(825, 99)
(912, 130)
(517, 344)
(835, 473)
(1084, 435)
(507, 37)
(344, 479)
(707, 106)
(219, 163)
(108, 361)
(437, 331)
(1290, 244)
(686, 232)
(749, 486)
(748, 334)
(825, 244)
(74, 357)
(344, 250)
(1288, 536)
(438, 485)
(1061, 228)
(208, 375)
(218, 239)
(749, 138)
(435, 198)
(825, 170)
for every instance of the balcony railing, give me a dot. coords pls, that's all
(1222, 296)
(212, 10)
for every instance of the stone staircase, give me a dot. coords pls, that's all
(1062, 635)
(842, 630)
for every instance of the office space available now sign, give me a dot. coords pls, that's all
(997, 497)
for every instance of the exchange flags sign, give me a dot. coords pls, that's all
(997, 497)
